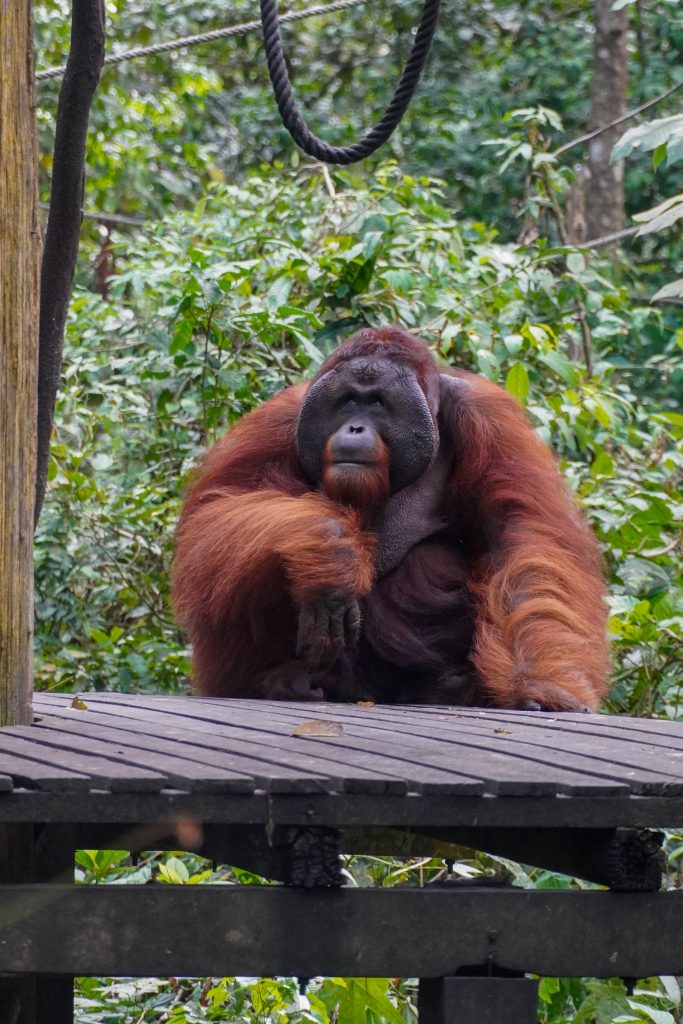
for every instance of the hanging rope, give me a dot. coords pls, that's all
(289, 112)
(207, 37)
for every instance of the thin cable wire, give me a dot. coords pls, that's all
(380, 132)
(618, 120)
(208, 37)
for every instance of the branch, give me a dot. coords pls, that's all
(586, 337)
(107, 218)
(64, 219)
(618, 120)
(615, 236)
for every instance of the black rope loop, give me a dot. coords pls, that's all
(369, 143)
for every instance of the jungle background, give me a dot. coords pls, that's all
(219, 265)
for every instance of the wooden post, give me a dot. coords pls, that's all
(19, 269)
(19, 275)
(478, 1000)
(17, 992)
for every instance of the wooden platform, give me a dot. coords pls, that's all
(284, 789)
(130, 758)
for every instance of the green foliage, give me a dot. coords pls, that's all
(664, 138)
(168, 126)
(664, 135)
(358, 997)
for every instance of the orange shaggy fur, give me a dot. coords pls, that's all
(257, 539)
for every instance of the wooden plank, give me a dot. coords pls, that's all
(266, 759)
(42, 767)
(36, 775)
(559, 721)
(271, 930)
(424, 773)
(203, 758)
(625, 729)
(503, 772)
(591, 758)
(342, 809)
(123, 764)
(632, 764)
(624, 733)
(627, 724)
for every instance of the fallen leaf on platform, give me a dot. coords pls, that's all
(319, 728)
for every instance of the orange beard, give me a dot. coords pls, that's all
(364, 486)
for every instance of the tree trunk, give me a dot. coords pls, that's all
(604, 185)
(19, 270)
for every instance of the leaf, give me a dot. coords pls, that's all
(101, 461)
(362, 276)
(513, 343)
(603, 466)
(650, 1012)
(655, 211)
(672, 988)
(659, 155)
(660, 217)
(78, 703)
(279, 292)
(548, 987)
(646, 137)
(334, 328)
(576, 263)
(606, 1001)
(672, 290)
(675, 418)
(560, 364)
(182, 337)
(517, 382)
(174, 871)
(641, 576)
(319, 727)
(674, 150)
(355, 996)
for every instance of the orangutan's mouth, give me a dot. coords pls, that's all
(346, 463)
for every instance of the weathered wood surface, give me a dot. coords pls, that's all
(19, 269)
(19, 266)
(276, 930)
(132, 758)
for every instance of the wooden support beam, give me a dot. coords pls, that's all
(480, 1000)
(263, 930)
(625, 860)
(17, 994)
(19, 269)
(54, 850)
